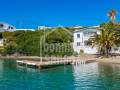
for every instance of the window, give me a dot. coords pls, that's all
(78, 43)
(9, 27)
(1, 25)
(78, 35)
(12, 28)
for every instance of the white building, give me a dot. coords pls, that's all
(81, 40)
(25, 29)
(43, 27)
(6, 27)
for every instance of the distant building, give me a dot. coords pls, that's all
(78, 27)
(43, 27)
(6, 27)
(3, 28)
(26, 29)
(81, 39)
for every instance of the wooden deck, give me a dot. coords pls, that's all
(54, 61)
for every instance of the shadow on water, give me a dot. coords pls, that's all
(9, 64)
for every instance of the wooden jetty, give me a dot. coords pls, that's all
(53, 61)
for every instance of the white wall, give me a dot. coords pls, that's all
(90, 50)
(1, 42)
(75, 47)
(87, 49)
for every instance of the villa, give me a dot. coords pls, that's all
(6, 27)
(3, 28)
(81, 39)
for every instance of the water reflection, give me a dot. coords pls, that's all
(97, 76)
(86, 76)
(110, 75)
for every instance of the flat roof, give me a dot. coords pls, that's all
(87, 29)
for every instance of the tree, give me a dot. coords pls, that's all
(112, 15)
(108, 39)
(9, 42)
(28, 42)
(59, 35)
(33, 42)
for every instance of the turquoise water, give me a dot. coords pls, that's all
(91, 76)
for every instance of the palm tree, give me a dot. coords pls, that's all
(108, 39)
(112, 15)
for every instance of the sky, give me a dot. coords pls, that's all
(33, 13)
